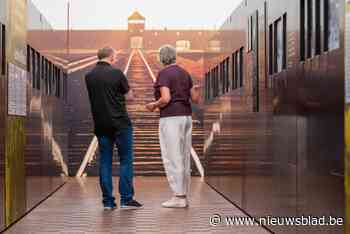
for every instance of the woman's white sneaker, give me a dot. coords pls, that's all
(175, 202)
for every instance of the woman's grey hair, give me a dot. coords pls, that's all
(167, 55)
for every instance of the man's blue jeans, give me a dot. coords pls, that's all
(124, 143)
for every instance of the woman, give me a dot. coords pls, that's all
(173, 91)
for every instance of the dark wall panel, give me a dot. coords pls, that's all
(46, 159)
(47, 146)
(286, 159)
(2, 120)
(2, 151)
(35, 148)
(2, 123)
(46, 151)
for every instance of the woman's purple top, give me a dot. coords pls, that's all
(180, 84)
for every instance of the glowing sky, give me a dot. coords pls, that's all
(109, 14)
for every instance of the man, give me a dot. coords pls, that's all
(107, 88)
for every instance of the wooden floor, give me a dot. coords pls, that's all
(76, 209)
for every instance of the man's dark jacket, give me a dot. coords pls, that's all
(106, 88)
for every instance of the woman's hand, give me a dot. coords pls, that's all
(197, 87)
(151, 106)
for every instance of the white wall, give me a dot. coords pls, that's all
(2, 11)
(36, 21)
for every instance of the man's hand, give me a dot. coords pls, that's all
(151, 106)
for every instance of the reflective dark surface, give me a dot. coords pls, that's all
(2, 151)
(47, 146)
(287, 158)
(46, 151)
(46, 131)
(2, 124)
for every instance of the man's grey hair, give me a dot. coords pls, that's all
(167, 55)
(105, 52)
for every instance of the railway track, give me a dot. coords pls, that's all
(147, 157)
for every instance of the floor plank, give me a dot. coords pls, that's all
(76, 209)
